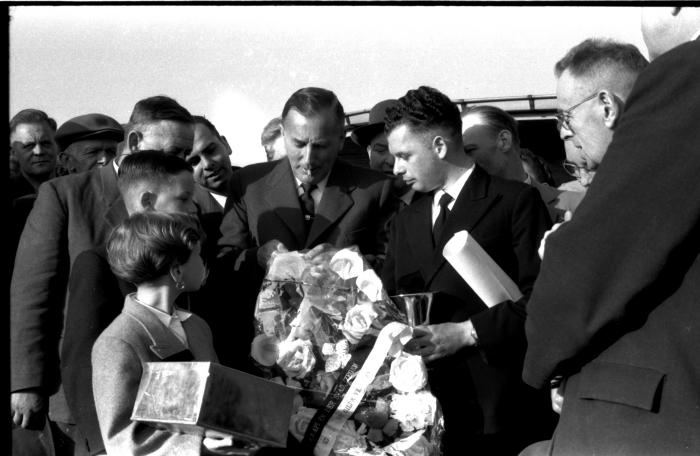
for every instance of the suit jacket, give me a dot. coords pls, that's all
(264, 205)
(136, 337)
(558, 201)
(480, 388)
(95, 298)
(615, 308)
(71, 214)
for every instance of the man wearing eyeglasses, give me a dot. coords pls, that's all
(593, 81)
(612, 322)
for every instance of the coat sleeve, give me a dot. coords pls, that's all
(628, 243)
(236, 237)
(37, 294)
(94, 301)
(116, 377)
(501, 328)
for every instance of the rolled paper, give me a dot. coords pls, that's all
(479, 271)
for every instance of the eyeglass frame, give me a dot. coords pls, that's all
(564, 117)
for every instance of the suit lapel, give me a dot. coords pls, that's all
(335, 202)
(282, 198)
(115, 210)
(472, 204)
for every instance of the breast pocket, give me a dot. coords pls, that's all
(634, 386)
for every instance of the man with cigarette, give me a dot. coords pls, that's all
(473, 352)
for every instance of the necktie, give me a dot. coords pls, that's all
(307, 203)
(445, 200)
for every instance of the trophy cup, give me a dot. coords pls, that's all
(416, 306)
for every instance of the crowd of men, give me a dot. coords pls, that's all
(608, 329)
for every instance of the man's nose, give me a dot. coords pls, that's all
(398, 168)
(565, 133)
(102, 158)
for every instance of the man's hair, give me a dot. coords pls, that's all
(145, 246)
(616, 63)
(496, 119)
(158, 108)
(313, 100)
(31, 116)
(149, 166)
(271, 132)
(422, 109)
(204, 121)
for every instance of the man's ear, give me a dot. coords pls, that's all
(133, 139)
(504, 141)
(440, 147)
(148, 200)
(612, 108)
(226, 144)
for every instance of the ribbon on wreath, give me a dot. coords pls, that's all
(345, 397)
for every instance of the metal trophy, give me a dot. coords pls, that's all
(416, 306)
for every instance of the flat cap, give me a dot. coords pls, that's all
(88, 126)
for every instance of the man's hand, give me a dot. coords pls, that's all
(540, 250)
(557, 394)
(266, 251)
(28, 409)
(437, 341)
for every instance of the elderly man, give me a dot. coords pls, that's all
(210, 159)
(617, 328)
(373, 138)
(71, 214)
(491, 137)
(88, 141)
(33, 145)
(474, 353)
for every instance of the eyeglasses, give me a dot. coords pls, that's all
(564, 117)
(572, 169)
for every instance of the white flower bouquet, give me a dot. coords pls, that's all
(325, 326)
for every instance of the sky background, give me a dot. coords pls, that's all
(237, 65)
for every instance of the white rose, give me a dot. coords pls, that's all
(264, 349)
(370, 284)
(415, 411)
(296, 357)
(357, 322)
(299, 422)
(408, 373)
(347, 264)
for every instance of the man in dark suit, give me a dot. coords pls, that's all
(474, 353)
(71, 214)
(615, 310)
(148, 181)
(297, 202)
(210, 160)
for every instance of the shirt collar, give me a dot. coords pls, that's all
(455, 189)
(696, 36)
(528, 179)
(164, 317)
